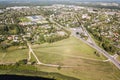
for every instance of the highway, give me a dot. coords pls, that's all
(92, 44)
(106, 54)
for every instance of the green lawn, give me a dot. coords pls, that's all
(24, 19)
(13, 54)
(62, 50)
(88, 71)
(56, 53)
(118, 58)
(61, 53)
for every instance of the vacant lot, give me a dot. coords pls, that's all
(118, 58)
(68, 52)
(62, 50)
(13, 54)
(24, 19)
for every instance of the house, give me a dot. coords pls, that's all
(61, 33)
(10, 38)
(15, 38)
(85, 16)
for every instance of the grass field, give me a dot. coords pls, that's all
(61, 50)
(13, 54)
(67, 52)
(88, 71)
(85, 69)
(24, 19)
(118, 58)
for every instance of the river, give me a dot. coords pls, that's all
(16, 77)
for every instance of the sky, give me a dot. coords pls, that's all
(62, 0)
(68, 0)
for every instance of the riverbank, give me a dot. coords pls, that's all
(31, 71)
(18, 77)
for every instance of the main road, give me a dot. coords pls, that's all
(92, 44)
(106, 54)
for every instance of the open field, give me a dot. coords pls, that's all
(67, 52)
(68, 48)
(85, 69)
(88, 71)
(118, 58)
(13, 54)
(24, 19)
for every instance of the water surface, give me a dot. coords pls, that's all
(16, 77)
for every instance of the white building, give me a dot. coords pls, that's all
(17, 7)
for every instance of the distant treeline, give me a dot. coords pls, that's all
(4, 4)
(100, 6)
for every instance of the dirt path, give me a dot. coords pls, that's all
(40, 63)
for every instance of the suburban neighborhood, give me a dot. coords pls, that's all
(62, 39)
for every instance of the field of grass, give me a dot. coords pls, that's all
(67, 52)
(13, 54)
(61, 53)
(88, 71)
(24, 19)
(118, 58)
(62, 50)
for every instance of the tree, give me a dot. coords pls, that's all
(96, 53)
(59, 67)
(118, 52)
(77, 33)
(22, 62)
(3, 46)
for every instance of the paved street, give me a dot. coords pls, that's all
(91, 43)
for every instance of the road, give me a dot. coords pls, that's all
(92, 44)
(106, 54)
(30, 50)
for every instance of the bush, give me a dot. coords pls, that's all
(22, 62)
